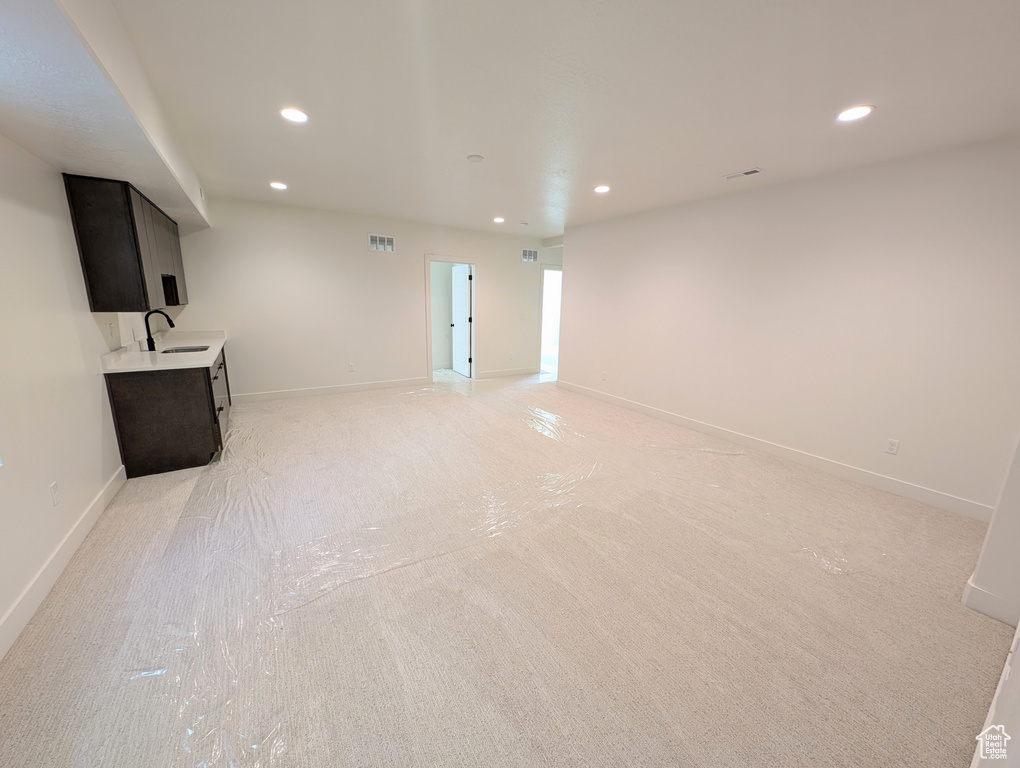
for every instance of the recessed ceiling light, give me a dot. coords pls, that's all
(277, 185)
(294, 115)
(602, 189)
(854, 113)
(475, 158)
(499, 219)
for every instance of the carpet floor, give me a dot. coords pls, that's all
(501, 573)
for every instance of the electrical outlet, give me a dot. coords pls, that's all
(350, 367)
(603, 375)
(55, 493)
(892, 446)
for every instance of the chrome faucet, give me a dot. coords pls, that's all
(151, 342)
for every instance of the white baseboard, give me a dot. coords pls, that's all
(506, 372)
(28, 602)
(283, 394)
(983, 601)
(1005, 708)
(965, 507)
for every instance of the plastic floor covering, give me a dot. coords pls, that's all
(501, 573)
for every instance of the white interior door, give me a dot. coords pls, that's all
(462, 319)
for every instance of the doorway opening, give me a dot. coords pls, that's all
(451, 300)
(552, 290)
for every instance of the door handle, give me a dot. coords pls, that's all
(451, 325)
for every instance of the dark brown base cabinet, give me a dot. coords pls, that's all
(170, 419)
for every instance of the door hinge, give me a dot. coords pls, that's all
(470, 360)
(471, 277)
(470, 319)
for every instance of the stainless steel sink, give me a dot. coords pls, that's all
(174, 350)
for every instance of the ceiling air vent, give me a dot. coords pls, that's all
(381, 243)
(529, 255)
(742, 174)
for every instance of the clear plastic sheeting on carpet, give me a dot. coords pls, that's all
(548, 424)
(312, 569)
(500, 573)
(833, 562)
(249, 549)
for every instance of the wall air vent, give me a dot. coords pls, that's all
(742, 174)
(529, 255)
(381, 243)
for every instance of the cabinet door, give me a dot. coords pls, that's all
(163, 245)
(147, 249)
(165, 420)
(102, 213)
(182, 287)
(167, 253)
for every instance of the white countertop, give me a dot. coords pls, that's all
(131, 358)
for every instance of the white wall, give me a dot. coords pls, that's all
(55, 422)
(442, 315)
(816, 319)
(301, 297)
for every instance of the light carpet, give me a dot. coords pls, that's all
(502, 573)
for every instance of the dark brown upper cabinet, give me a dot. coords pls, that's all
(130, 250)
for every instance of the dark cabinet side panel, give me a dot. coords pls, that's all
(103, 227)
(165, 419)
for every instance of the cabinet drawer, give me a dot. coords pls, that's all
(222, 406)
(218, 378)
(220, 387)
(218, 364)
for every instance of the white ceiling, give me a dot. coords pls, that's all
(657, 98)
(56, 103)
